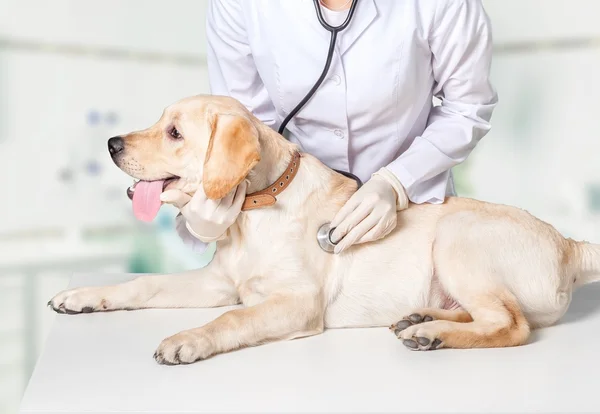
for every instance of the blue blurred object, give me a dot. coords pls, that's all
(594, 198)
(93, 117)
(93, 167)
(112, 118)
(165, 220)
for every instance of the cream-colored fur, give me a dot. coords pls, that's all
(461, 274)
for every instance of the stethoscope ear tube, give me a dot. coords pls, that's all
(334, 31)
(327, 26)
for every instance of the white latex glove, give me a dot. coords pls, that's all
(206, 219)
(184, 234)
(370, 214)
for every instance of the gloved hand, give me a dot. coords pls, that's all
(370, 214)
(206, 219)
(186, 237)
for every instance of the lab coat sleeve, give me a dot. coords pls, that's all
(231, 68)
(461, 45)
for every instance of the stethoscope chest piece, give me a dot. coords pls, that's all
(324, 238)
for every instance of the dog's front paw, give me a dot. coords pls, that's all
(80, 300)
(183, 348)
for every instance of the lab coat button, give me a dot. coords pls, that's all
(339, 133)
(336, 79)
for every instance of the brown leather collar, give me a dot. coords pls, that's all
(266, 197)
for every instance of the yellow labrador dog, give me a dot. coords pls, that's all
(462, 274)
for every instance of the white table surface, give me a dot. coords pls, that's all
(101, 363)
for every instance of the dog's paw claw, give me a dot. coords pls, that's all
(58, 309)
(158, 357)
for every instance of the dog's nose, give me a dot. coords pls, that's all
(115, 145)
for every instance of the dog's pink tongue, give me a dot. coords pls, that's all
(146, 199)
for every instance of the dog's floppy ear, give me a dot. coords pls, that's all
(233, 150)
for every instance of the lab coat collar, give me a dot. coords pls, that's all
(365, 13)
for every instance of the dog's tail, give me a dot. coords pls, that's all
(587, 257)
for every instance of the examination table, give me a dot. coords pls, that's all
(102, 363)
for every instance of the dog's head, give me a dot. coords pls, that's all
(202, 140)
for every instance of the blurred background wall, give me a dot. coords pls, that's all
(74, 72)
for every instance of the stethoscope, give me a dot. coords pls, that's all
(334, 32)
(325, 231)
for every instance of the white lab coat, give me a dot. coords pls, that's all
(374, 108)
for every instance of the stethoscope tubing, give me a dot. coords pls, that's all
(334, 30)
(315, 86)
(327, 26)
(324, 233)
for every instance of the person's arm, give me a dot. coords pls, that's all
(231, 68)
(461, 43)
(231, 72)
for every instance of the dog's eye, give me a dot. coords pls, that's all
(174, 133)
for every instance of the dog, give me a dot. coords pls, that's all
(461, 274)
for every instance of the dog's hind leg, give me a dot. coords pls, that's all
(495, 321)
(203, 288)
(473, 265)
(431, 314)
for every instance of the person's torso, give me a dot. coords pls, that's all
(377, 95)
